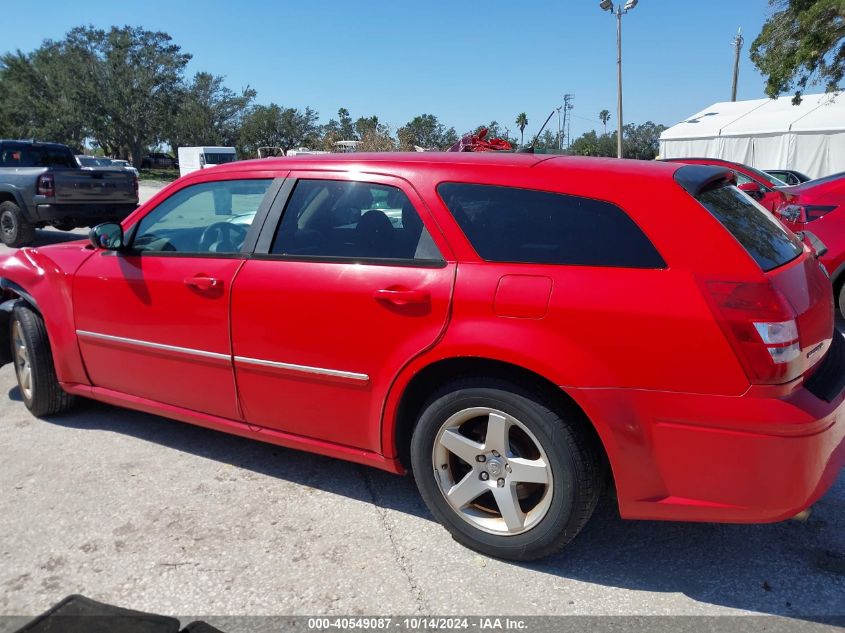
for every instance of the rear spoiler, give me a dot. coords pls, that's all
(697, 179)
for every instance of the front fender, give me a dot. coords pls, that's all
(43, 278)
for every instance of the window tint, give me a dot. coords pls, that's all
(505, 224)
(218, 158)
(765, 239)
(33, 156)
(211, 217)
(358, 220)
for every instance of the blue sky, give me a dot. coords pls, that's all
(467, 62)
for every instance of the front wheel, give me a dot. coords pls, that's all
(505, 474)
(34, 367)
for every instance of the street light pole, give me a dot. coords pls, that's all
(619, 10)
(619, 80)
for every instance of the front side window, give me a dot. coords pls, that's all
(355, 220)
(762, 236)
(506, 224)
(207, 218)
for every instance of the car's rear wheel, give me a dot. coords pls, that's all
(15, 231)
(840, 297)
(504, 473)
(33, 359)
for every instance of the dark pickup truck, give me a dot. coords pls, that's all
(41, 184)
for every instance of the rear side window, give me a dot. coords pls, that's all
(506, 224)
(34, 156)
(765, 239)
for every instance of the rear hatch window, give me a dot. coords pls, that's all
(768, 242)
(13, 155)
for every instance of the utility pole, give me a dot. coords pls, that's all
(566, 108)
(737, 44)
(570, 106)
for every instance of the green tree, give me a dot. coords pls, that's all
(802, 43)
(604, 117)
(40, 97)
(522, 123)
(209, 113)
(129, 81)
(274, 125)
(425, 131)
(641, 142)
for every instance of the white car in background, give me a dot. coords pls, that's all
(124, 164)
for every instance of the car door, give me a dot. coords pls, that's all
(352, 283)
(152, 320)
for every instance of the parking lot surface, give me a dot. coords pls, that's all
(153, 514)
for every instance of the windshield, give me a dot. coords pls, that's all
(766, 178)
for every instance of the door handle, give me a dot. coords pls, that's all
(203, 283)
(402, 296)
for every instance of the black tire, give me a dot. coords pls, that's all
(44, 395)
(572, 451)
(839, 297)
(15, 229)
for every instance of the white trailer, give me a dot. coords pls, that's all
(193, 158)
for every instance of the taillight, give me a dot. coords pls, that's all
(135, 184)
(804, 212)
(761, 327)
(46, 185)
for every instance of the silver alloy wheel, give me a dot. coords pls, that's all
(496, 454)
(23, 366)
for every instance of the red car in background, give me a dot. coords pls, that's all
(818, 207)
(815, 209)
(515, 330)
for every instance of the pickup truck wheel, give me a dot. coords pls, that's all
(15, 230)
(505, 474)
(34, 367)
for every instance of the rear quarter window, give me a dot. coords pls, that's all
(507, 224)
(766, 240)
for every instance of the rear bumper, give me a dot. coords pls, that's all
(83, 214)
(746, 459)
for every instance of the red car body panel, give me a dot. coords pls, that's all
(688, 436)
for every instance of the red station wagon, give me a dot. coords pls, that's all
(515, 330)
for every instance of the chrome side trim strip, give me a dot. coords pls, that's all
(303, 368)
(336, 373)
(160, 346)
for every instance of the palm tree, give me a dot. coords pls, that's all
(521, 123)
(604, 117)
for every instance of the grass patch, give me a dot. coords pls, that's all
(159, 175)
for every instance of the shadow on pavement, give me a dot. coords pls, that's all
(789, 569)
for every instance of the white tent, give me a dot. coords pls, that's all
(766, 133)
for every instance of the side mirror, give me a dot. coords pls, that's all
(752, 189)
(108, 236)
